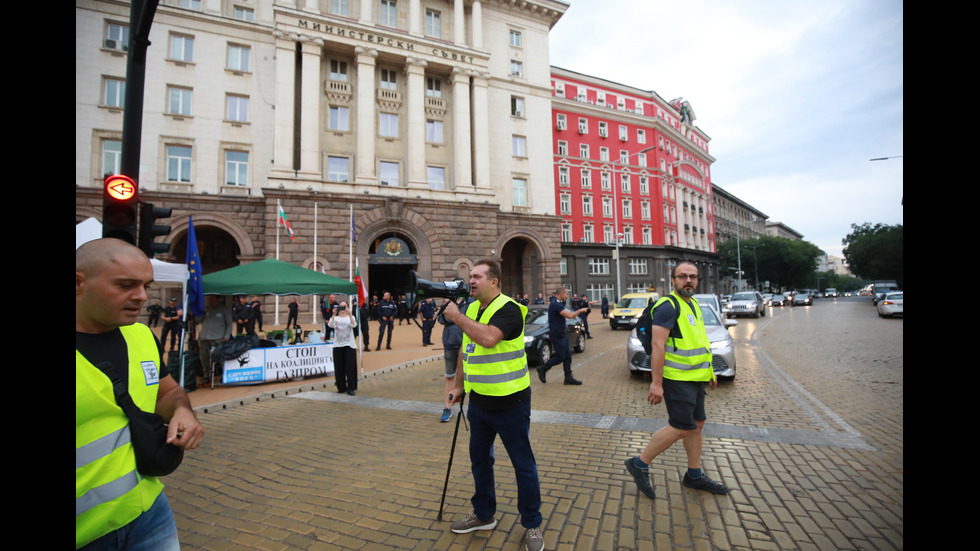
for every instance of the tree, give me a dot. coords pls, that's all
(875, 252)
(784, 263)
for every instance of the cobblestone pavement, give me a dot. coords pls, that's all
(809, 437)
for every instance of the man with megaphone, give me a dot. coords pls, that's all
(493, 370)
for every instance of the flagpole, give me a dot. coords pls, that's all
(278, 211)
(313, 307)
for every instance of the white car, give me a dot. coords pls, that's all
(722, 346)
(747, 303)
(893, 304)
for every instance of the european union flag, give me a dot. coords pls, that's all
(195, 290)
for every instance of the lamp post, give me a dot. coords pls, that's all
(617, 235)
(755, 258)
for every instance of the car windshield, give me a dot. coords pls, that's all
(709, 316)
(632, 303)
(895, 296)
(539, 317)
(744, 296)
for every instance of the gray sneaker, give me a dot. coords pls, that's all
(471, 523)
(533, 540)
(641, 477)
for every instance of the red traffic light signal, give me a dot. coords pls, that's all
(120, 208)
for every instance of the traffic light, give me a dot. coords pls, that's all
(149, 229)
(120, 208)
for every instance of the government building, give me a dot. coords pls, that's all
(426, 121)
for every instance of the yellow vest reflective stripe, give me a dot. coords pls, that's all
(688, 358)
(502, 369)
(109, 492)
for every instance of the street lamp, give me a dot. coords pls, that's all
(617, 235)
(755, 257)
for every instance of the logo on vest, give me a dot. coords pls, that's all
(692, 320)
(150, 373)
(470, 348)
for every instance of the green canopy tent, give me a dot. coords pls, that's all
(274, 277)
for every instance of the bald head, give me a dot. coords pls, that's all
(93, 257)
(111, 279)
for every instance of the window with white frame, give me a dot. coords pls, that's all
(338, 169)
(603, 129)
(517, 106)
(565, 203)
(603, 153)
(624, 156)
(340, 7)
(635, 287)
(388, 125)
(111, 157)
(641, 159)
(389, 79)
(338, 118)
(600, 98)
(583, 150)
(562, 147)
(436, 176)
(182, 48)
(433, 24)
(645, 210)
(644, 185)
(519, 186)
(237, 108)
(627, 208)
(516, 68)
(433, 131)
(583, 126)
(239, 58)
(588, 233)
(624, 133)
(563, 263)
(179, 101)
(628, 235)
(598, 290)
(116, 36)
(598, 266)
(647, 236)
(519, 146)
(563, 179)
(388, 173)
(190, 4)
(114, 92)
(566, 235)
(641, 136)
(638, 266)
(607, 233)
(236, 168)
(604, 180)
(586, 178)
(586, 205)
(433, 87)
(338, 70)
(178, 163)
(515, 38)
(389, 14)
(624, 180)
(243, 14)
(607, 208)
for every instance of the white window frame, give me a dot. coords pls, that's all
(388, 13)
(587, 205)
(389, 173)
(565, 203)
(607, 208)
(588, 233)
(436, 177)
(338, 70)
(433, 23)
(388, 79)
(638, 266)
(179, 165)
(624, 134)
(111, 157)
(114, 92)
(182, 48)
(563, 179)
(641, 136)
(334, 166)
(604, 154)
(340, 7)
(603, 129)
(519, 146)
(388, 125)
(586, 177)
(604, 179)
(236, 108)
(239, 58)
(180, 101)
(561, 122)
(338, 118)
(562, 147)
(598, 266)
(519, 187)
(516, 40)
(645, 210)
(627, 208)
(434, 131)
(118, 33)
(516, 68)
(647, 235)
(566, 236)
(583, 150)
(583, 125)
(243, 14)
(236, 168)
(517, 108)
(433, 87)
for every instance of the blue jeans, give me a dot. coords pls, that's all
(154, 530)
(563, 352)
(513, 425)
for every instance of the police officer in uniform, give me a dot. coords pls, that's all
(493, 370)
(680, 366)
(111, 278)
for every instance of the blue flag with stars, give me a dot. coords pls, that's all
(195, 290)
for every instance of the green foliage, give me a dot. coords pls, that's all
(875, 252)
(784, 263)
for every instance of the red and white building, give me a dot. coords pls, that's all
(632, 167)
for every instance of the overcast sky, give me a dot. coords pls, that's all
(796, 96)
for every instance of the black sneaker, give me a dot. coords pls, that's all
(705, 483)
(471, 523)
(541, 374)
(641, 477)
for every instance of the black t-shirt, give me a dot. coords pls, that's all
(107, 347)
(511, 323)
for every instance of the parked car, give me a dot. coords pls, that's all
(892, 305)
(778, 300)
(768, 298)
(830, 292)
(748, 303)
(537, 341)
(712, 301)
(803, 299)
(722, 346)
(629, 308)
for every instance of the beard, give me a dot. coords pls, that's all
(686, 291)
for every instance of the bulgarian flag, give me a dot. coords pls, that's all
(361, 292)
(285, 222)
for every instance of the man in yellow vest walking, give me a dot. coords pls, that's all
(680, 365)
(117, 507)
(493, 370)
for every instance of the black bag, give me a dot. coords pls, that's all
(147, 431)
(644, 325)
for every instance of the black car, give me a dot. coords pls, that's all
(537, 343)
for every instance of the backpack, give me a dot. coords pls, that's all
(644, 325)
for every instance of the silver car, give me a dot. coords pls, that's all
(722, 346)
(748, 303)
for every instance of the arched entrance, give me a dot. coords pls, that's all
(392, 256)
(519, 263)
(218, 249)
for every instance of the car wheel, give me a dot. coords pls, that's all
(579, 343)
(756, 314)
(612, 325)
(544, 353)
(763, 311)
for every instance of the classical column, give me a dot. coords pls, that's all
(459, 23)
(481, 132)
(285, 79)
(366, 11)
(682, 217)
(415, 171)
(367, 126)
(310, 111)
(415, 17)
(476, 23)
(462, 164)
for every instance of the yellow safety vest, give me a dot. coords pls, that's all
(498, 371)
(688, 358)
(109, 492)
